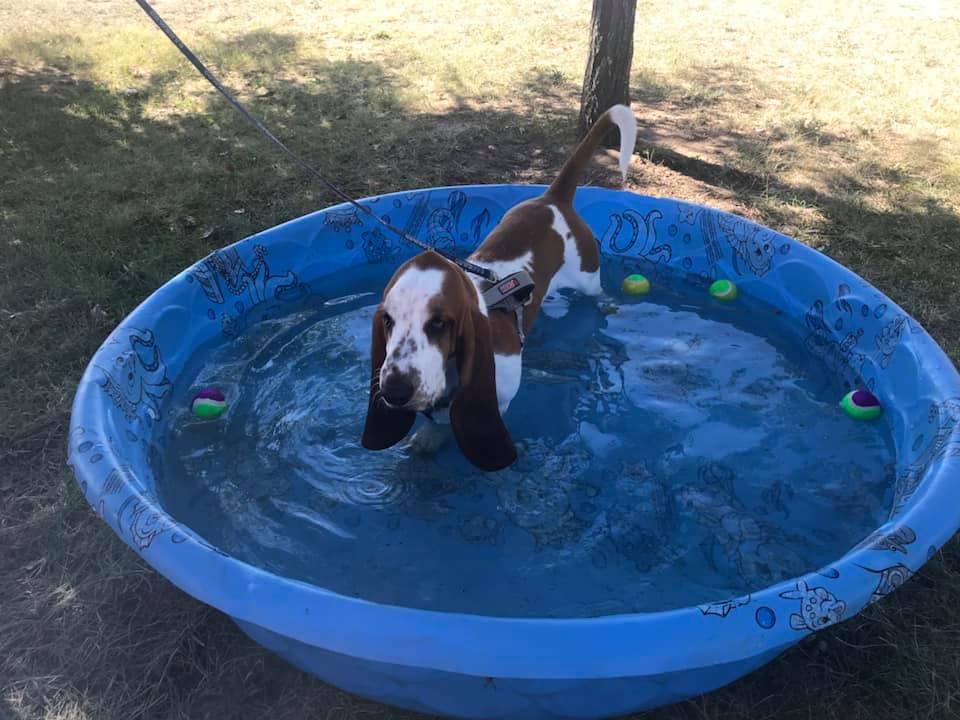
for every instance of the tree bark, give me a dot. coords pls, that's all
(607, 79)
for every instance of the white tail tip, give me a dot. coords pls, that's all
(626, 123)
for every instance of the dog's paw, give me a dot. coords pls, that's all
(593, 288)
(521, 447)
(429, 439)
(555, 306)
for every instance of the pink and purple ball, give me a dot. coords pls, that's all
(209, 403)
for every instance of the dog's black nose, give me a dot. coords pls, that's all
(397, 390)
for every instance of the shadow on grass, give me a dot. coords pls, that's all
(110, 193)
(866, 212)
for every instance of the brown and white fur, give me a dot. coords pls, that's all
(434, 339)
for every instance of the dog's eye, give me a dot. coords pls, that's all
(387, 321)
(436, 325)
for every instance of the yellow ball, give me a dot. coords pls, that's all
(635, 285)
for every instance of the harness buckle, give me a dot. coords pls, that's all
(515, 289)
(512, 294)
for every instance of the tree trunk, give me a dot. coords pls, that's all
(607, 79)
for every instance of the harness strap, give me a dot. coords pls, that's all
(512, 294)
(519, 314)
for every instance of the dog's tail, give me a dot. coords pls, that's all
(565, 185)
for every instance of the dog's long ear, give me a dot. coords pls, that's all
(474, 412)
(385, 426)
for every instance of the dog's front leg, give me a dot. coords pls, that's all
(429, 438)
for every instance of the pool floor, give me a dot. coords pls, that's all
(674, 451)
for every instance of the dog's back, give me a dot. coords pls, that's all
(545, 236)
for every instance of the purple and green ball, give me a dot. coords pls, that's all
(861, 405)
(209, 403)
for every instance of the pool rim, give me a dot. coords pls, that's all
(531, 648)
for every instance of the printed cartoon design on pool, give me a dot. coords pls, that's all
(224, 274)
(944, 442)
(377, 246)
(752, 248)
(889, 579)
(136, 380)
(480, 225)
(888, 338)
(724, 607)
(819, 608)
(896, 541)
(642, 229)
(741, 539)
(535, 667)
(142, 522)
(637, 534)
(115, 482)
(839, 354)
(342, 221)
(543, 510)
(443, 224)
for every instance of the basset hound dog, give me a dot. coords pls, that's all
(438, 349)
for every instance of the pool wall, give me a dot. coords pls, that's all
(477, 666)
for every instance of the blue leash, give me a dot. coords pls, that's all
(253, 120)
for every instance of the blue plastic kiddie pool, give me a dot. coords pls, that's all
(435, 587)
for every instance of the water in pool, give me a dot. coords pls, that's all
(674, 452)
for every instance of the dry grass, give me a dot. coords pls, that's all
(833, 122)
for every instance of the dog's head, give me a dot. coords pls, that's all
(431, 338)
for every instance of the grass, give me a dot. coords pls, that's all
(833, 122)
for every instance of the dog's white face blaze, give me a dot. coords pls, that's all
(409, 350)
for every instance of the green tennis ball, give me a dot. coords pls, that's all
(861, 405)
(635, 285)
(723, 290)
